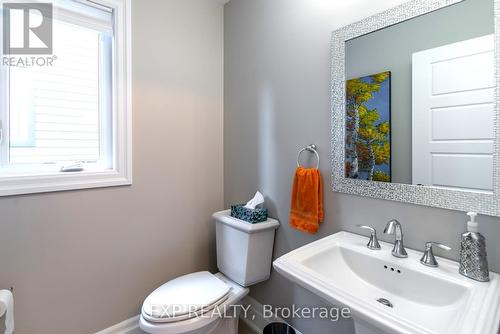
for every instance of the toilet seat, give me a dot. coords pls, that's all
(204, 324)
(185, 297)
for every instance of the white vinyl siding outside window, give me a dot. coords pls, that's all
(76, 111)
(56, 112)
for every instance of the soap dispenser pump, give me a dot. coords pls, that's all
(473, 261)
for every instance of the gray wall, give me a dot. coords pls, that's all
(391, 49)
(81, 261)
(277, 100)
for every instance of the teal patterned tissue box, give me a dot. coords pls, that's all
(254, 216)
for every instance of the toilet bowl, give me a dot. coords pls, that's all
(205, 303)
(220, 319)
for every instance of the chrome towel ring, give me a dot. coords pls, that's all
(311, 148)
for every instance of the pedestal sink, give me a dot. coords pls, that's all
(393, 295)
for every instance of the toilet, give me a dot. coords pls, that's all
(205, 303)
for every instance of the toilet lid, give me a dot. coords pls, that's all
(185, 297)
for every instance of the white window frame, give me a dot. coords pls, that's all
(121, 173)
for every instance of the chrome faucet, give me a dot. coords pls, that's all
(428, 258)
(394, 227)
(373, 242)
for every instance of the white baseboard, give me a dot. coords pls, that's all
(129, 326)
(255, 319)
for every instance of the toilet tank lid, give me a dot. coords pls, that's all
(225, 218)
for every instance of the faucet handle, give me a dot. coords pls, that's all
(428, 258)
(373, 242)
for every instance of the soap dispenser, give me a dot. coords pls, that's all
(473, 262)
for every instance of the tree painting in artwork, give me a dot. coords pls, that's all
(368, 128)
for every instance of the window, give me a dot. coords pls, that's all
(65, 117)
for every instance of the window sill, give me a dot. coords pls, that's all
(18, 185)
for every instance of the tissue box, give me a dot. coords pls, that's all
(256, 215)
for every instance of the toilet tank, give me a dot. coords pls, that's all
(244, 250)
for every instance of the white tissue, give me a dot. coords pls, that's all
(7, 308)
(256, 200)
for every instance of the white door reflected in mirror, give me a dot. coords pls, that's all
(453, 115)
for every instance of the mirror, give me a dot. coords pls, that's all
(414, 107)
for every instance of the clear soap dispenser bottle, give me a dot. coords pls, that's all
(473, 261)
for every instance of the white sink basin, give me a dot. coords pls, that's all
(343, 271)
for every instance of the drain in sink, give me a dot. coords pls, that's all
(385, 302)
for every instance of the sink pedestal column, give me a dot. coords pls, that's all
(361, 327)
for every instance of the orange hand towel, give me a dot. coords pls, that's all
(307, 200)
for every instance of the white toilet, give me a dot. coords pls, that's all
(205, 303)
